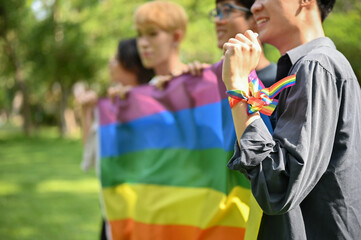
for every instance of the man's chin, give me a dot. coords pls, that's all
(147, 64)
(262, 37)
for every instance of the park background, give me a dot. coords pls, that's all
(46, 47)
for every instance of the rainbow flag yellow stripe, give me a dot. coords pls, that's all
(192, 211)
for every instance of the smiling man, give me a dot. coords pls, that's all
(307, 175)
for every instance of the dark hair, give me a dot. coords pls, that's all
(128, 56)
(245, 3)
(325, 7)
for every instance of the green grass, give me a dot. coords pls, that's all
(43, 192)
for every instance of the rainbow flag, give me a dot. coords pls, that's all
(162, 167)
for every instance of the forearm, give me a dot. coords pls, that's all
(241, 56)
(241, 119)
(87, 119)
(87, 102)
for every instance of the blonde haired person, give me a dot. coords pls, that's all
(161, 27)
(168, 179)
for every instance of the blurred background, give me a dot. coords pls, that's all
(48, 46)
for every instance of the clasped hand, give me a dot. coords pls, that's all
(241, 56)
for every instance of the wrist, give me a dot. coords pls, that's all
(238, 84)
(241, 110)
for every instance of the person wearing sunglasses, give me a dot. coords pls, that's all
(234, 16)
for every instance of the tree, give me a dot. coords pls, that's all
(60, 54)
(12, 39)
(49, 45)
(344, 29)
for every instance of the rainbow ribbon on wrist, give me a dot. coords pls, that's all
(261, 99)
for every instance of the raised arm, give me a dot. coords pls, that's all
(87, 101)
(241, 56)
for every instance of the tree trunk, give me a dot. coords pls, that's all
(58, 39)
(21, 85)
(25, 107)
(15, 60)
(62, 107)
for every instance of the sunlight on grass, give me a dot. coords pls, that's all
(26, 232)
(43, 192)
(88, 185)
(7, 188)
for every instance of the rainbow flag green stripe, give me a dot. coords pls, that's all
(188, 168)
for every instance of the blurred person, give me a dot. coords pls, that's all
(231, 17)
(126, 71)
(306, 176)
(234, 16)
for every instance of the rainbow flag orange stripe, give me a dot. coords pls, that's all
(140, 230)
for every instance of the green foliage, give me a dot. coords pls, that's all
(271, 53)
(345, 31)
(346, 5)
(105, 24)
(200, 42)
(43, 193)
(61, 42)
(12, 34)
(117, 16)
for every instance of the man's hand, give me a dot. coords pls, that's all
(87, 99)
(241, 56)
(196, 68)
(119, 90)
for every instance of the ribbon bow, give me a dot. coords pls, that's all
(261, 99)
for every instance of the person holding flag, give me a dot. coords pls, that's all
(164, 148)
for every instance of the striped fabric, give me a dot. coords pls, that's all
(163, 157)
(260, 98)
